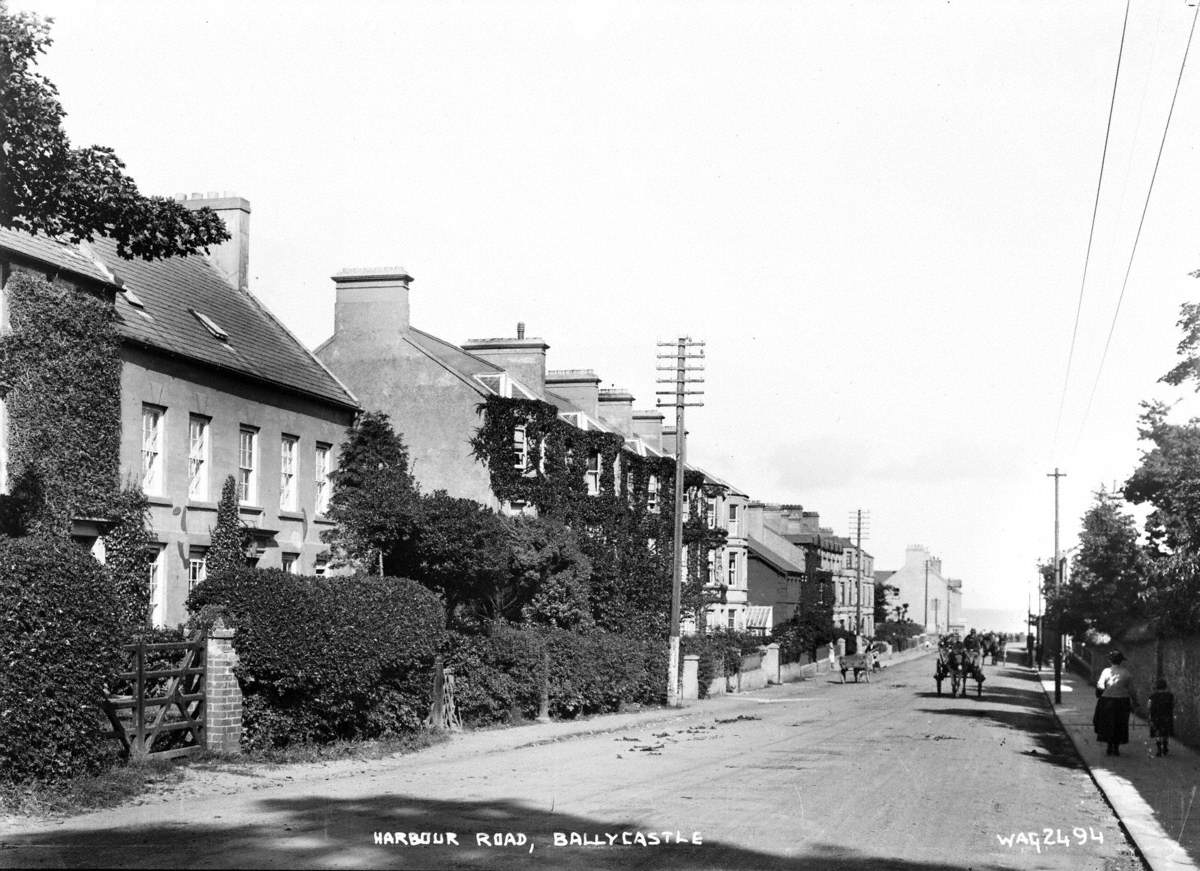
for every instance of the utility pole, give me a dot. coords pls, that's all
(857, 521)
(677, 366)
(926, 618)
(1058, 645)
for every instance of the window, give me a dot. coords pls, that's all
(210, 325)
(152, 449)
(592, 476)
(652, 494)
(520, 448)
(712, 513)
(197, 566)
(247, 463)
(158, 599)
(321, 479)
(197, 458)
(732, 580)
(733, 520)
(321, 566)
(291, 563)
(732, 620)
(287, 473)
(712, 567)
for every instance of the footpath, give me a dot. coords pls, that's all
(1156, 798)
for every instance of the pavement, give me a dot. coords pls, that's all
(1154, 797)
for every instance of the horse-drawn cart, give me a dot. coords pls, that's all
(957, 664)
(860, 664)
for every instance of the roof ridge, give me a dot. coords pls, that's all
(261, 306)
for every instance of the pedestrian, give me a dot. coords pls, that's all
(1162, 716)
(832, 657)
(1115, 698)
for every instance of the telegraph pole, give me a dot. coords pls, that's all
(1058, 645)
(678, 363)
(857, 520)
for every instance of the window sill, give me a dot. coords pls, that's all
(321, 518)
(251, 509)
(289, 514)
(201, 506)
(165, 501)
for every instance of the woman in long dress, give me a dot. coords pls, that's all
(1116, 699)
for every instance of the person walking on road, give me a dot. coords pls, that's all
(1116, 698)
(1162, 716)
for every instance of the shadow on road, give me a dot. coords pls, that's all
(312, 832)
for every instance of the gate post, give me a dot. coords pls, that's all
(223, 696)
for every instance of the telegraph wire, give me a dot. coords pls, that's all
(1092, 230)
(1145, 207)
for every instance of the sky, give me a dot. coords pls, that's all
(876, 216)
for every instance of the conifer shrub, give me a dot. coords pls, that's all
(328, 658)
(60, 643)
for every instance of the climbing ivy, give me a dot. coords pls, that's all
(62, 366)
(627, 540)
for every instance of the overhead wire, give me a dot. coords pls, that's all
(1141, 222)
(1092, 230)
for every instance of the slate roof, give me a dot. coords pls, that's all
(773, 558)
(170, 290)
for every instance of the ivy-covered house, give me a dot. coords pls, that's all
(209, 385)
(485, 420)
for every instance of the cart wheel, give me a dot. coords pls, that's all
(939, 686)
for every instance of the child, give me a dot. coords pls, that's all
(1162, 715)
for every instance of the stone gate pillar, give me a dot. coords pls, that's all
(690, 691)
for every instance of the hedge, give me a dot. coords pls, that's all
(720, 653)
(499, 676)
(328, 658)
(60, 641)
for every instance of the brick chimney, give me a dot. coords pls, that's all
(371, 300)
(648, 426)
(616, 409)
(581, 387)
(231, 258)
(524, 359)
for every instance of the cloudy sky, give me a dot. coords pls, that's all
(875, 214)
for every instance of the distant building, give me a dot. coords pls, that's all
(926, 591)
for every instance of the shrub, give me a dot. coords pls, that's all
(720, 653)
(329, 658)
(60, 642)
(499, 677)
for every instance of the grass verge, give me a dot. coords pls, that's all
(127, 781)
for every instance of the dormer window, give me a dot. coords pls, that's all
(210, 325)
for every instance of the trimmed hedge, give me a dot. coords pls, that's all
(499, 676)
(60, 640)
(329, 658)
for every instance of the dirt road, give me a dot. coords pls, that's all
(811, 775)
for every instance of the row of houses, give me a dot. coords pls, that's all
(213, 384)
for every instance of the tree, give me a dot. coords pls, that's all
(1107, 587)
(50, 187)
(549, 576)
(882, 593)
(375, 501)
(459, 550)
(227, 552)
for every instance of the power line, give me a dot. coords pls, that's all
(1145, 207)
(1092, 230)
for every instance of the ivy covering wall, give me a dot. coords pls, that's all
(61, 363)
(628, 541)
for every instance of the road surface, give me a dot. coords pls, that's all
(885, 775)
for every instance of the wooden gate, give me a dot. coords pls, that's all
(156, 707)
